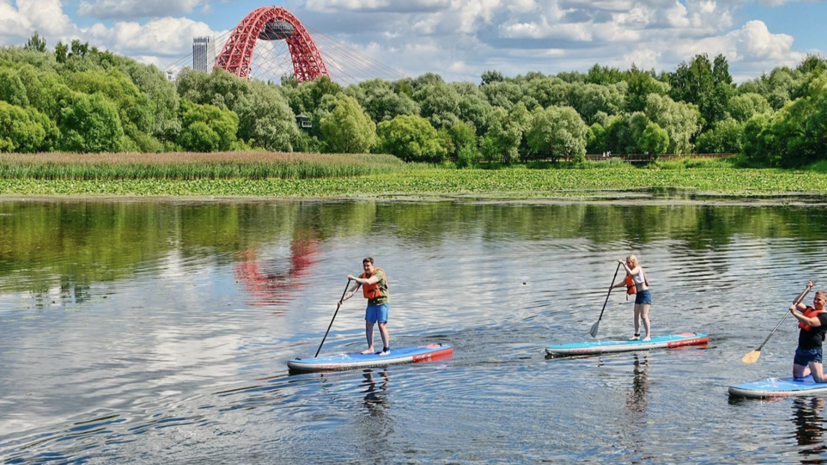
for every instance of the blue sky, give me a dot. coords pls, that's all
(458, 39)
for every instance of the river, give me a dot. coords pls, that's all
(158, 331)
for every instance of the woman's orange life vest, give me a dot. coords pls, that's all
(372, 291)
(630, 285)
(809, 312)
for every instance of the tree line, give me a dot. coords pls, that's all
(77, 98)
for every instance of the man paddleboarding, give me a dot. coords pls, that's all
(813, 324)
(374, 283)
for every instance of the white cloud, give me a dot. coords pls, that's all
(752, 43)
(127, 9)
(165, 37)
(330, 6)
(44, 16)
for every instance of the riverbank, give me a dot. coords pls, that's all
(494, 184)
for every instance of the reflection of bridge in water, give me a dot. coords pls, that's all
(269, 282)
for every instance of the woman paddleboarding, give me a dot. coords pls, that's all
(643, 297)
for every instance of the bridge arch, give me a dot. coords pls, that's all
(272, 23)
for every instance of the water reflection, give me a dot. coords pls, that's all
(376, 392)
(378, 425)
(273, 281)
(148, 309)
(638, 398)
(808, 418)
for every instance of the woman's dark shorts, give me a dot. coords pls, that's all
(643, 297)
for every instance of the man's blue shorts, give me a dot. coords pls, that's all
(803, 357)
(643, 297)
(377, 313)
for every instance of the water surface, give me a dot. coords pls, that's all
(158, 331)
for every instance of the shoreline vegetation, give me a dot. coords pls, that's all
(80, 99)
(315, 176)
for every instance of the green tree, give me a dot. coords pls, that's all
(476, 110)
(745, 106)
(266, 118)
(558, 131)
(491, 76)
(12, 89)
(36, 43)
(758, 141)
(135, 110)
(725, 137)
(61, 52)
(504, 136)
(596, 139)
(90, 123)
(207, 128)
(654, 140)
(705, 84)
(680, 120)
(348, 129)
(380, 101)
(411, 138)
(439, 103)
(462, 135)
(504, 94)
(640, 85)
(25, 130)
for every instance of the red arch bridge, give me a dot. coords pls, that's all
(256, 48)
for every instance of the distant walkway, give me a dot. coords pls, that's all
(646, 158)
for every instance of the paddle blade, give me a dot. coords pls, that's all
(594, 329)
(751, 357)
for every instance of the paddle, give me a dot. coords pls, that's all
(596, 326)
(334, 317)
(752, 357)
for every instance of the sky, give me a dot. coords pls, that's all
(458, 39)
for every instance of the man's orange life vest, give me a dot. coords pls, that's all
(372, 291)
(809, 312)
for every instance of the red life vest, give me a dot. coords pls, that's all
(630, 285)
(372, 291)
(809, 312)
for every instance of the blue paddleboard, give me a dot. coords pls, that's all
(778, 387)
(426, 353)
(602, 347)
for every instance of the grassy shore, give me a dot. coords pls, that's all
(193, 166)
(519, 183)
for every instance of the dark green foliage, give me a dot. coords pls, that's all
(411, 138)
(640, 85)
(12, 89)
(90, 123)
(36, 43)
(706, 84)
(653, 140)
(725, 137)
(25, 130)
(439, 103)
(557, 131)
(348, 129)
(206, 128)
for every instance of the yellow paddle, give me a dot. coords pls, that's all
(752, 357)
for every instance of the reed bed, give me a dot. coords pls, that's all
(518, 184)
(194, 166)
